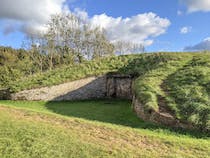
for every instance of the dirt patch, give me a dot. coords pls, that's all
(163, 108)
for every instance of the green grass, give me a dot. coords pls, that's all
(110, 111)
(33, 139)
(103, 128)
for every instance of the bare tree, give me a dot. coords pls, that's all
(123, 47)
(68, 41)
(77, 39)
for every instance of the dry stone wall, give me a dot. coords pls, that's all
(158, 117)
(88, 88)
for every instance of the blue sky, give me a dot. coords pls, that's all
(173, 24)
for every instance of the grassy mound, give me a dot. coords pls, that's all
(128, 64)
(180, 79)
(89, 129)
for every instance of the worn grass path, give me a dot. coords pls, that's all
(39, 129)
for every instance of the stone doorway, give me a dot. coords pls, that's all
(119, 86)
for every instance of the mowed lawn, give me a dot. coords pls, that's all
(103, 128)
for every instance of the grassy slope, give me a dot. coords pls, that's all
(47, 133)
(189, 91)
(185, 86)
(148, 86)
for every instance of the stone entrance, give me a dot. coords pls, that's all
(4, 94)
(119, 86)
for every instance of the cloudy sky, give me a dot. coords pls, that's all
(161, 25)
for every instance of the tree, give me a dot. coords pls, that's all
(102, 47)
(76, 39)
(35, 44)
(67, 41)
(123, 47)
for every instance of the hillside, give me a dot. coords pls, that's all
(105, 128)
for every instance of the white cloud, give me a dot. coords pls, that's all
(138, 29)
(32, 14)
(197, 5)
(207, 39)
(203, 45)
(185, 29)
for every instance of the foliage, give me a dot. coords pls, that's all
(14, 64)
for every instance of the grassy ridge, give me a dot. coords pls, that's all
(184, 84)
(46, 133)
(148, 86)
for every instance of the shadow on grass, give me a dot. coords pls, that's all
(112, 111)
